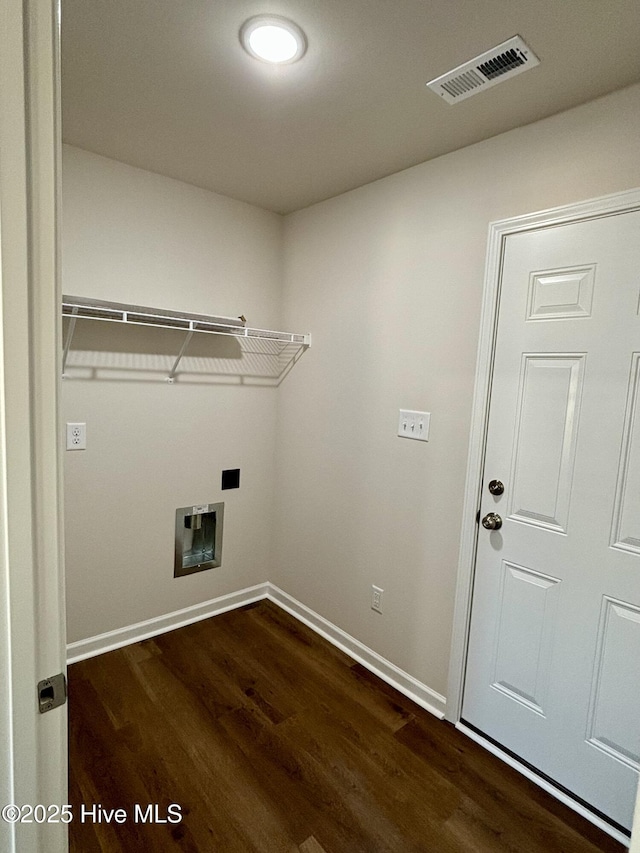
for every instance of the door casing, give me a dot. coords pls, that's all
(33, 746)
(499, 232)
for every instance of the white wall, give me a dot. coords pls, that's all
(132, 236)
(389, 278)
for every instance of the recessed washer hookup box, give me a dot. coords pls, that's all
(198, 538)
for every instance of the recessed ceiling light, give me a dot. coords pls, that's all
(273, 39)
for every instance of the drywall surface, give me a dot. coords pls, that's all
(132, 236)
(389, 278)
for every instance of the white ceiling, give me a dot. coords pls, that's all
(165, 85)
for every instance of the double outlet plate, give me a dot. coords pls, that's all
(376, 598)
(76, 436)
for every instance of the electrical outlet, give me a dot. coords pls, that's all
(376, 598)
(76, 436)
(414, 425)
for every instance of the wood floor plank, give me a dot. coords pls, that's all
(216, 767)
(312, 665)
(390, 707)
(513, 801)
(273, 741)
(110, 778)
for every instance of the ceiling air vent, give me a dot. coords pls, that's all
(504, 61)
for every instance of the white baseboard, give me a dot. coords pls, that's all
(375, 663)
(161, 624)
(547, 786)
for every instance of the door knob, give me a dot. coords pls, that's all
(496, 487)
(492, 521)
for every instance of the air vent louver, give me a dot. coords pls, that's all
(492, 67)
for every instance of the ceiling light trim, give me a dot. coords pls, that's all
(256, 23)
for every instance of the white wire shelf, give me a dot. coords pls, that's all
(79, 308)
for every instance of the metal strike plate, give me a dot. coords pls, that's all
(52, 692)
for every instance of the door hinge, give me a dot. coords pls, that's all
(52, 692)
(478, 517)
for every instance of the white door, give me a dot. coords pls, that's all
(553, 671)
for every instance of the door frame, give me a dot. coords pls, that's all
(609, 205)
(33, 746)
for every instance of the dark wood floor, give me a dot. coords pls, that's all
(272, 740)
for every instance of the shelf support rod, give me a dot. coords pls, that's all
(67, 343)
(172, 374)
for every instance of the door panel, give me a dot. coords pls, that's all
(613, 718)
(626, 519)
(524, 639)
(544, 443)
(558, 294)
(552, 669)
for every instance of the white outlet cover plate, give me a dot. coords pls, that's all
(76, 436)
(376, 598)
(414, 424)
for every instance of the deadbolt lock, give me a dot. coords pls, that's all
(496, 487)
(492, 521)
